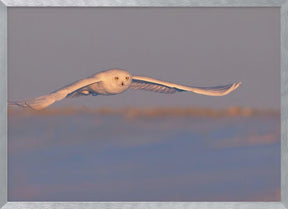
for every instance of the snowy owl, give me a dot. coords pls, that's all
(116, 81)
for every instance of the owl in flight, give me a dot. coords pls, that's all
(116, 81)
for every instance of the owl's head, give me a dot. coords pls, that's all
(116, 80)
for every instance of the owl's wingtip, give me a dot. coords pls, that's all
(237, 84)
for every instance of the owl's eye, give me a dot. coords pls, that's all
(116, 78)
(127, 78)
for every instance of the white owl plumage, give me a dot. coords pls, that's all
(116, 81)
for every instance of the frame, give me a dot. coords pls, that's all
(283, 4)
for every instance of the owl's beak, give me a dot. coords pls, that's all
(122, 83)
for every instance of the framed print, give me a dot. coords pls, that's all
(143, 104)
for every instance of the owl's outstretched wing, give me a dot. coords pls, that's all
(46, 100)
(151, 84)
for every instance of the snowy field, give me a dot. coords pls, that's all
(144, 155)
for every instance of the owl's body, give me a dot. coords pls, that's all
(111, 82)
(116, 81)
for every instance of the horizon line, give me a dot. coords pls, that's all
(157, 111)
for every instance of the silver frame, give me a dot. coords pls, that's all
(283, 4)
